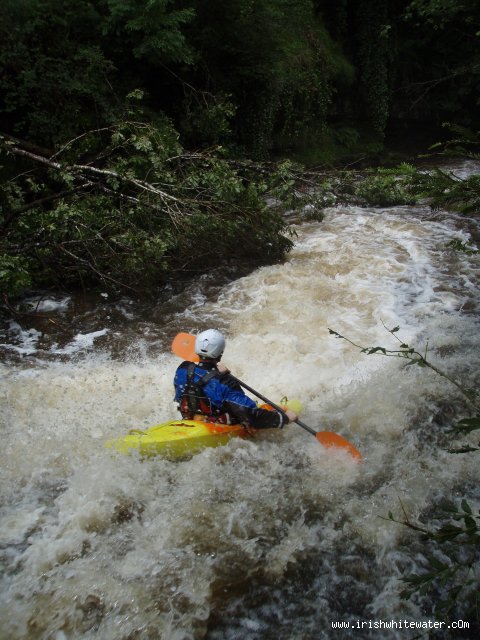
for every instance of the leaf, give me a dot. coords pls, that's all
(470, 525)
(425, 588)
(468, 424)
(335, 333)
(437, 564)
(466, 449)
(466, 507)
(414, 361)
(448, 506)
(395, 329)
(448, 532)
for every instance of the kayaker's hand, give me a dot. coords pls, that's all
(222, 368)
(291, 415)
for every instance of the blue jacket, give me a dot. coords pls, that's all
(227, 396)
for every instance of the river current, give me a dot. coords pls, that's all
(273, 537)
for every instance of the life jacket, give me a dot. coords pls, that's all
(194, 402)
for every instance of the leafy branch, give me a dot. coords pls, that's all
(413, 357)
(450, 574)
(451, 563)
(465, 426)
(126, 206)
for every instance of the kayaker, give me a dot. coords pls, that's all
(207, 388)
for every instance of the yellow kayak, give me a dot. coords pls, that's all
(179, 438)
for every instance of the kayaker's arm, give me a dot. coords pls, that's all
(245, 410)
(227, 396)
(255, 417)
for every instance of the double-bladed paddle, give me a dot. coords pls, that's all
(183, 346)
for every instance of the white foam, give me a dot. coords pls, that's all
(100, 545)
(45, 305)
(81, 342)
(26, 340)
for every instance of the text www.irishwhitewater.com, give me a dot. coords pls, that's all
(399, 624)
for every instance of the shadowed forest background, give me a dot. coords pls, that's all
(137, 135)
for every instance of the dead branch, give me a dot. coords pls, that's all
(173, 206)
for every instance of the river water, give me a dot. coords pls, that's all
(268, 538)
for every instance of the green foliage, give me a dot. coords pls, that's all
(465, 426)
(373, 53)
(64, 63)
(207, 119)
(143, 212)
(451, 555)
(458, 245)
(15, 273)
(439, 60)
(447, 191)
(468, 425)
(413, 357)
(443, 189)
(451, 549)
(346, 136)
(465, 143)
(151, 29)
(51, 93)
(262, 77)
(440, 13)
(277, 61)
(337, 143)
(384, 189)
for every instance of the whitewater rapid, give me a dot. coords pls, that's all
(267, 538)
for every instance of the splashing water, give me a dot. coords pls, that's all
(259, 535)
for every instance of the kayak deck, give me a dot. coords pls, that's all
(177, 438)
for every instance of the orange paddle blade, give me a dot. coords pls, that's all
(331, 439)
(183, 346)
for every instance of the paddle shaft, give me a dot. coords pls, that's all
(275, 406)
(183, 346)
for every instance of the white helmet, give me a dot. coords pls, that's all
(209, 344)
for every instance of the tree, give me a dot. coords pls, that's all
(276, 61)
(141, 212)
(439, 61)
(66, 66)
